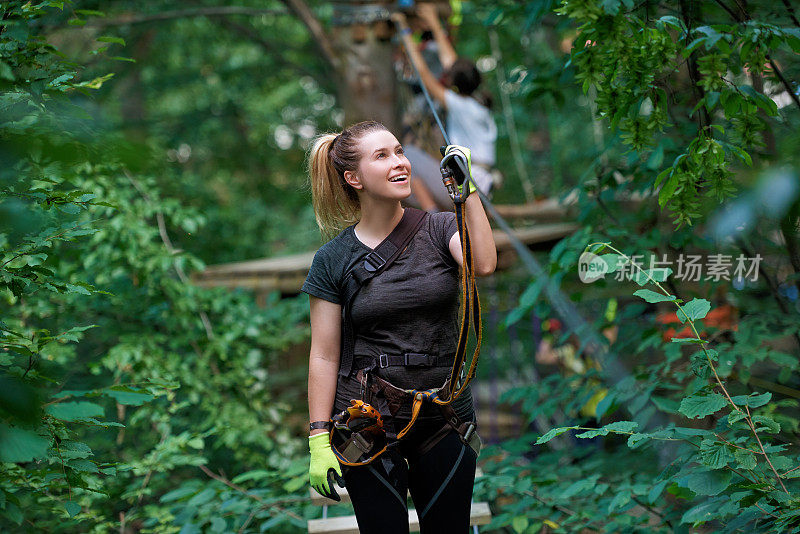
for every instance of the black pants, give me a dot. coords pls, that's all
(440, 482)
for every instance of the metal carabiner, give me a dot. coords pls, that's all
(455, 172)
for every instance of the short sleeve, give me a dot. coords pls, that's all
(443, 227)
(320, 282)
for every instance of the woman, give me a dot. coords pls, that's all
(358, 179)
(469, 120)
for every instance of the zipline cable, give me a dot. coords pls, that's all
(591, 340)
(508, 114)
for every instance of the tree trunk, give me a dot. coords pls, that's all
(367, 84)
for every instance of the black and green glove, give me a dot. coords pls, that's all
(324, 467)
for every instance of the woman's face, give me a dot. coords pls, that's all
(384, 171)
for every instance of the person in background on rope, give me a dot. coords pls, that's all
(469, 120)
(358, 180)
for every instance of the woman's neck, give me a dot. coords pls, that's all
(378, 219)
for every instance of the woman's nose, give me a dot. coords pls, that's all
(400, 160)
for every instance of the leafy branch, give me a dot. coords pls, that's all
(693, 310)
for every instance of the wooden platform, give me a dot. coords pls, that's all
(287, 273)
(479, 514)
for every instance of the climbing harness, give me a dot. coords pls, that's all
(358, 434)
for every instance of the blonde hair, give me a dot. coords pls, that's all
(335, 202)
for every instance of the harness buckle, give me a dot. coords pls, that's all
(383, 361)
(416, 359)
(373, 261)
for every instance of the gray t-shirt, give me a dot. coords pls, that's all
(411, 307)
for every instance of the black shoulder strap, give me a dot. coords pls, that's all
(374, 264)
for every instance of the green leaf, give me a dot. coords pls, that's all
(694, 310)
(579, 486)
(19, 445)
(295, 484)
(110, 39)
(614, 261)
(698, 406)
(769, 424)
(256, 474)
(552, 433)
(663, 174)
(745, 459)
(671, 20)
(699, 362)
(5, 72)
(734, 417)
(128, 396)
(72, 508)
(82, 465)
(705, 511)
(637, 439)
(203, 497)
(714, 454)
(652, 296)
(668, 189)
(623, 427)
(74, 449)
(179, 493)
(753, 400)
(665, 404)
(656, 491)
(612, 6)
(620, 499)
(74, 411)
(709, 482)
(519, 524)
(218, 525)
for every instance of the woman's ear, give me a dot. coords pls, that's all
(353, 179)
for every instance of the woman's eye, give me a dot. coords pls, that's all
(401, 151)
(381, 154)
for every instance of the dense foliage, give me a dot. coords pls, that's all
(699, 105)
(140, 142)
(121, 381)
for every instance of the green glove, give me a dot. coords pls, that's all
(465, 154)
(324, 466)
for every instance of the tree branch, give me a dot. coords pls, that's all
(269, 48)
(323, 41)
(183, 13)
(790, 10)
(270, 504)
(162, 230)
(687, 12)
(746, 17)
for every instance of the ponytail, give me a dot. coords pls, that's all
(335, 202)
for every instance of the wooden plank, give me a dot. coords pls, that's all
(547, 209)
(540, 233)
(319, 500)
(479, 514)
(287, 273)
(554, 209)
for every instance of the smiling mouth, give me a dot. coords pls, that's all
(401, 178)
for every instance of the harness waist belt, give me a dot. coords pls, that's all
(409, 359)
